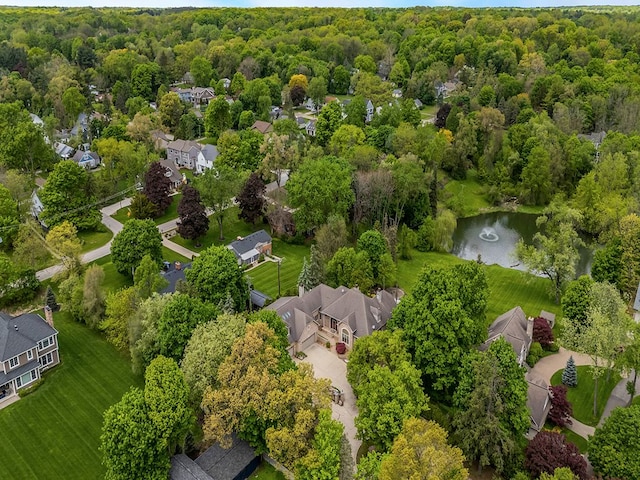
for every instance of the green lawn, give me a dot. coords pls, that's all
(232, 228)
(55, 432)
(581, 443)
(265, 276)
(466, 197)
(122, 215)
(94, 239)
(581, 397)
(507, 287)
(266, 472)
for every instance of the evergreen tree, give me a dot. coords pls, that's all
(51, 300)
(304, 279)
(570, 374)
(316, 270)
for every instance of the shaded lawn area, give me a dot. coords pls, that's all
(95, 238)
(507, 287)
(265, 276)
(581, 443)
(114, 281)
(171, 213)
(467, 196)
(581, 397)
(232, 228)
(266, 472)
(55, 432)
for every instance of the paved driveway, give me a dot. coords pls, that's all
(326, 364)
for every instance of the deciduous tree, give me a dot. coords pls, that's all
(217, 118)
(93, 296)
(157, 187)
(147, 279)
(194, 222)
(251, 199)
(120, 307)
(561, 410)
(217, 188)
(63, 240)
(421, 450)
(136, 239)
(216, 272)
(549, 451)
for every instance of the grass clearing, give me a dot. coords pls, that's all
(507, 287)
(466, 197)
(267, 472)
(55, 432)
(581, 443)
(122, 215)
(581, 397)
(95, 238)
(265, 276)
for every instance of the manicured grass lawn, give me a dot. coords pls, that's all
(171, 256)
(581, 397)
(171, 213)
(232, 228)
(507, 287)
(94, 239)
(265, 276)
(581, 443)
(55, 432)
(266, 472)
(467, 195)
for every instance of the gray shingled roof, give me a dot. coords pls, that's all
(511, 325)
(183, 468)
(226, 464)
(258, 298)
(249, 242)
(173, 276)
(31, 329)
(538, 401)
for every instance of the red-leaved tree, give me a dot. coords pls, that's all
(561, 409)
(157, 187)
(549, 450)
(542, 332)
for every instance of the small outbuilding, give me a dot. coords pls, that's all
(248, 249)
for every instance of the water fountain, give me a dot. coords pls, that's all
(488, 234)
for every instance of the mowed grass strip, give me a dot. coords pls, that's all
(581, 397)
(55, 432)
(94, 239)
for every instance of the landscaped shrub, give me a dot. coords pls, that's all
(23, 392)
(542, 332)
(561, 409)
(535, 354)
(550, 450)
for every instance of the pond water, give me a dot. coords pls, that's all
(493, 236)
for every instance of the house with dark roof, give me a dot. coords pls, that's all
(28, 346)
(172, 173)
(173, 273)
(202, 96)
(515, 328)
(262, 127)
(216, 463)
(343, 314)
(248, 249)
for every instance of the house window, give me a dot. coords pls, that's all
(26, 379)
(47, 342)
(345, 336)
(334, 324)
(14, 362)
(46, 360)
(29, 354)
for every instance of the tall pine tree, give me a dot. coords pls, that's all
(570, 374)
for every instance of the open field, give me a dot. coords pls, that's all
(265, 276)
(581, 397)
(55, 432)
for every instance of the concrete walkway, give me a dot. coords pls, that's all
(547, 366)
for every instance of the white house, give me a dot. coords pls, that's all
(206, 158)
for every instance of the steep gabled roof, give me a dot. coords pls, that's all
(511, 325)
(538, 400)
(31, 328)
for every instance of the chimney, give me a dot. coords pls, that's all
(300, 290)
(48, 315)
(178, 266)
(379, 295)
(530, 327)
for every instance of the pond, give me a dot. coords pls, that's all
(493, 236)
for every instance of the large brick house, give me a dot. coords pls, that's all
(28, 346)
(332, 314)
